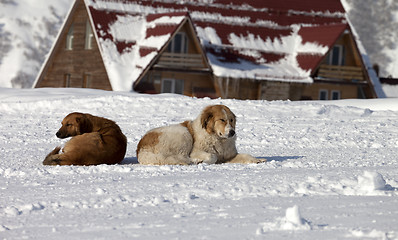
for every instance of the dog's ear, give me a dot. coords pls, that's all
(85, 125)
(207, 115)
(230, 113)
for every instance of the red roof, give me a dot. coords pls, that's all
(288, 5)
(262, 33)
(324, 35)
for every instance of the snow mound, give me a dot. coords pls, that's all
(371, 181)
(293, 221)
(374, 234)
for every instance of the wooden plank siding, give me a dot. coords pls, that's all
(274, 90)
(191, 67)
(196, 84)
(349, 80)
(84, 67)
(351, 73)
(188, 61)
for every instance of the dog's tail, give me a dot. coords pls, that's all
(51, 159)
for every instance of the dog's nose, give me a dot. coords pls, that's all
(58, 134)
(231, 133)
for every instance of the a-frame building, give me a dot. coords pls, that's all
(229, 49)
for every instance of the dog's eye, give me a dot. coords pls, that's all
(68, 124)
(222, 120)
(232, 120)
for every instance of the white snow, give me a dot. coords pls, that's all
(294, 219)
(331, 171)
(121, 29)
(390, 90)
(371, 181)
(286, 69)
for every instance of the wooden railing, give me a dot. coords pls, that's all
(341, 72)
(180, 60)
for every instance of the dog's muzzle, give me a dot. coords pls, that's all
(60, 135)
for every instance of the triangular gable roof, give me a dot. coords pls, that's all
(323, 35)
(270, 40)
(129, 42)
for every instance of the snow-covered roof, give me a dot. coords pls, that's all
(264, 40)
(129, 42)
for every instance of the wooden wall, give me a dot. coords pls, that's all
(347, 88)
(196, 84)
(79, 62)
(274, 90)
(346, 91)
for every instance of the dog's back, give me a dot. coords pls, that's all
(169, 145)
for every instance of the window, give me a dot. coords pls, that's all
(69, 39)
(86, 80)
(335, 95)
(323, 94)
(67, 80)
(179, 44)
(336, 56)
(88, 44)
(172, 86)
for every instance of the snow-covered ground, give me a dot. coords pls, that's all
(331, 172)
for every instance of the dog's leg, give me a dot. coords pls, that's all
(54, 158)
(203, 157)
(245, 158)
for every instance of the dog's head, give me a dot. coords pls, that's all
(74, 124)
(219, 120)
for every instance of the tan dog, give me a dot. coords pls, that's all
(95, 140)
(210, 138)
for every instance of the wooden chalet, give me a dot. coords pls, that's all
(251, 49)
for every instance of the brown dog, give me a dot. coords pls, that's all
(95, 140)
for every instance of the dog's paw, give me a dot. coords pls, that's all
(196, 161)
(203, 157)
(246, 159)
(261, 160)
(251, 159)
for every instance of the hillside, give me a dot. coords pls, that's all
(27, 31)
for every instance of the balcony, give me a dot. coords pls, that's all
(341, 73)
(181, 61)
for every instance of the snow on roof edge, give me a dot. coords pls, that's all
(368, 65)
